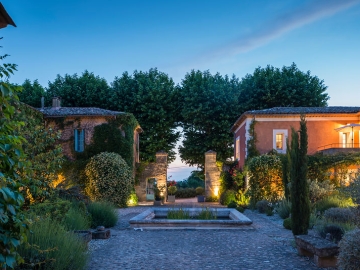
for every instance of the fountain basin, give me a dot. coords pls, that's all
(157, 217)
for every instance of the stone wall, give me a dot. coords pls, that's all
(67, 131)
(156, 170)
(212, 175)
(87, 123)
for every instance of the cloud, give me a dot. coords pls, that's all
(280, 25)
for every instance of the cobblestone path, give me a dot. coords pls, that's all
(265, 245)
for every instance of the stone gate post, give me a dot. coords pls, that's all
(212, 175)
(161, 169)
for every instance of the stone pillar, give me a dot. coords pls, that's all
(212, 175)
(158, 170)
(161, 172)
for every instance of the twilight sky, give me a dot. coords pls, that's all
(225, 36)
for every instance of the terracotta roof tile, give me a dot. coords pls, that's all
(305, 110)
(76, 111)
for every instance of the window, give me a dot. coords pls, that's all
(237, 148)
(344, 140)
(279, 140)
(79, 139)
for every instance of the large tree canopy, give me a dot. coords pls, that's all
(150, 97)
(208, 107)
(32, 93)
(87, 90)
(287, 87)
(204, 105)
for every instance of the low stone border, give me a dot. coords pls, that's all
(146, 219)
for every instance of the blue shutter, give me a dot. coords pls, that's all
(76, 140)
(81, 141)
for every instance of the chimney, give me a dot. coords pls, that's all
(56, 103)
(42, 103)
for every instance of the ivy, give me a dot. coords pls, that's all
(319, 165)
(12, 226)
(251, 143)
(107, 137)
(265, 178)
(42, 149)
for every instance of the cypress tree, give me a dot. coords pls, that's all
(285, 159)
(300, 212)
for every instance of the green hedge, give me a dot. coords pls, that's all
(109, 178)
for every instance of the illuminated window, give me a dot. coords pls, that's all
(279, 141)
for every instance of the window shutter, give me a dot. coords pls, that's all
(76, 140)
(81, 141)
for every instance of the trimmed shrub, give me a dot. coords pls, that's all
(212, 199)
(349, 256)
(50, 246)
(185, 193)
(333, 201)
(200, 191)
(335, 230)
(232, 205)
(172, 190)
(133, 199)
(265, 174)
(262, 206)
(283, 208)
(227, 197)
(109, 179)
(102, 214)
(339, 215)
(287, 223)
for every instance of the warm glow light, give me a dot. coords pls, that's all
(58, 181)
(216, 191)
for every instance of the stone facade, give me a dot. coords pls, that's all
(157, 170)
(324, 128)
(69, 119)
(212, 175)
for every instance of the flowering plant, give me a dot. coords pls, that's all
(171, 183)
(172, 190)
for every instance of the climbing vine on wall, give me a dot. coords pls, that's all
(251, 143)
(320, 165)
(117, 136)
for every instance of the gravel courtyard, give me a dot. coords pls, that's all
(263, 245)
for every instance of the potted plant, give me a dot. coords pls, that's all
(200, 191)
(171, 191)
(158, 191)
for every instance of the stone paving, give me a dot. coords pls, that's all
(264, 245)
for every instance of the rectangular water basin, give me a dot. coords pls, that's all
(157, 217)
